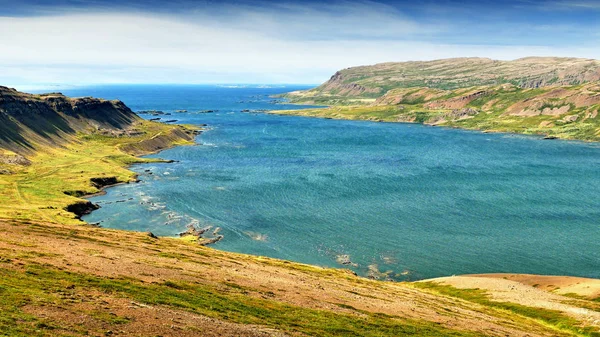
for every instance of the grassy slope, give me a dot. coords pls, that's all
(492, 114)
(61, 280)
(59, 176)
(551, 318)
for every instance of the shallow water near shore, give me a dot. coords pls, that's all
(399, 201)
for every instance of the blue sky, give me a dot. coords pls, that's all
(183, 41)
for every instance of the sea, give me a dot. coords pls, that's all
(387, 200)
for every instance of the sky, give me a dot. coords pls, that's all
(81, 42)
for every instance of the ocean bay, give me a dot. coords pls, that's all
(390, 200)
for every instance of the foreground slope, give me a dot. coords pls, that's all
(79, 280)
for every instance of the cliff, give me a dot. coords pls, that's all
(554, 97)
(29, 121)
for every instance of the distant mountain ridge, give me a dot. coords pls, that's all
(376, 80)
(28, 121)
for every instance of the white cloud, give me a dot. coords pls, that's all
(246, 46)
(573, 4)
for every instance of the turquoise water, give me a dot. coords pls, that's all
(410, 200)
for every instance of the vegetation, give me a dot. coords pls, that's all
(63, 280)
(58, 176)
(563, 112)
(370, 82)
(45, 286)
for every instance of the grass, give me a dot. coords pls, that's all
(39, 292)
(552, 318)
(39, 285)
(59, 176)
(440, 74)
(492, 115)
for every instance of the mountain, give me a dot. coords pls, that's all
(370, 82)
(29, 121)
(55, 149)
(554, 97)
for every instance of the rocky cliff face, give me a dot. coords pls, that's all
(339, 85)
(29, 121)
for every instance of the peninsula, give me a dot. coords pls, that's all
(551, 97)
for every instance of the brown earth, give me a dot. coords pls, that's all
(534, 291)
(119, 254)
(585, 287)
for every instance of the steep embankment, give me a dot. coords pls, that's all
(30, 121)
(559, 98)
(55, 149)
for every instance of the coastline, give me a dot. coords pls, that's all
(56, 183)
(193, 234)
(537, 136)
(489, 123)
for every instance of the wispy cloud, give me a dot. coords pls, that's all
(288, 42)
(575, 4)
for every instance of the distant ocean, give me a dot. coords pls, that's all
(398, 201)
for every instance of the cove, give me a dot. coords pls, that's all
(390, 200)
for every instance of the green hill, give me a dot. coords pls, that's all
(370, 82)
(554, 97)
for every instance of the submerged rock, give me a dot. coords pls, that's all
(198, 233)
(344, 259)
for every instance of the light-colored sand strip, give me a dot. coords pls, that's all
(586, 287)
(503, 289)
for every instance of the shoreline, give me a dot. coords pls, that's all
(315, 113)
(274, 112)
(88, 207)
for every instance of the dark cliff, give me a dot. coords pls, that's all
(29, 121)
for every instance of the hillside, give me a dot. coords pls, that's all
(55, 149)
(29, 121)
(65, 280)
(557, 98)
(369, 82)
